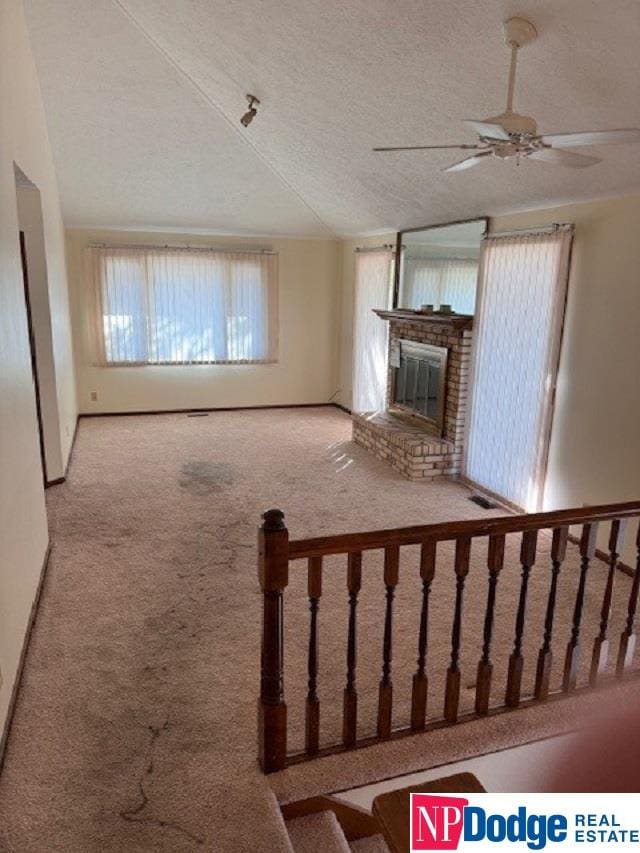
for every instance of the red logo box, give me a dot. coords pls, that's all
(436, 822)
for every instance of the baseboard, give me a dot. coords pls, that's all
(60, 480)
(23, 656)
(72, 448)
(342, 408)
(494, 497)
(622, 567)
(57, 482)
(602, 555)
(206, 409)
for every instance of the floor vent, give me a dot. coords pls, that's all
(198, 415)
(485, 503)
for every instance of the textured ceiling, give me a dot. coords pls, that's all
(143, 99)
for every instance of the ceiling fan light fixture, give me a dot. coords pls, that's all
(512, 136)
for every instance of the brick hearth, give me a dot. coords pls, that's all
(406, 443)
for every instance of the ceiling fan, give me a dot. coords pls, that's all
(511, 135)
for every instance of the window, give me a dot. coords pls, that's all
(183, 306)
(516, 346)
(440, 281)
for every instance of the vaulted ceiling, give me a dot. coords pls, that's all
(144, 97)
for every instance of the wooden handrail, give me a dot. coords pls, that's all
(450, 530)
(276, 552)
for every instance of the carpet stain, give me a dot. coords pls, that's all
(205, 478)
(135, 814)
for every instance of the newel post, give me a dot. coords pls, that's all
(273, 574)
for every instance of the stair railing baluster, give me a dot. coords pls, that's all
(452, 688)
(572, 658)
(420, 686)
(516, 660)
(385, 695)
(600, 653)
(628, 637)
(545, 655)
(312, 719)
(495, 562)
(277, 552)
(350, 696)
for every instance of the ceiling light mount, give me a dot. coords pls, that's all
(518, 32)
(252, 112)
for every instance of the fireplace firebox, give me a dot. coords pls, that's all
(419, 382)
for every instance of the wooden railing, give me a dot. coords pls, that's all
(277, 551)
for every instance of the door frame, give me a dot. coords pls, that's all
(33, 353)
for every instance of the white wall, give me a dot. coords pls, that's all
(595, 442)
(23, 523)
(306, 371)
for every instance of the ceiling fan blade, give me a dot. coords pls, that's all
(564, 158)
(429, 148)
(488, 129)
(468, 162)
(592, 137)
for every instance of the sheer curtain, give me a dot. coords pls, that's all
(517, 335)
(370, 333)
(182, 306)
(435, 281)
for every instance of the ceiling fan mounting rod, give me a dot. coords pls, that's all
(517, 33)
(512, 77)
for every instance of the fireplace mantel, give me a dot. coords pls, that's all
(458, 321)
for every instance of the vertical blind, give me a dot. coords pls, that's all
(517, 334)
(438, 281)
(182, 306)
(370, 333)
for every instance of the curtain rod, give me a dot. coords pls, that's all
(520, 232)
(383, 247)
(183, 248)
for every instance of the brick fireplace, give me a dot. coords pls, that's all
(421, 448)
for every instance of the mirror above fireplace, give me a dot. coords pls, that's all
(438, 267)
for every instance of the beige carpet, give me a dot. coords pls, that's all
(317, 832)
(135, 726)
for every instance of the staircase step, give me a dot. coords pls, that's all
(317, 832)
(373, 844)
